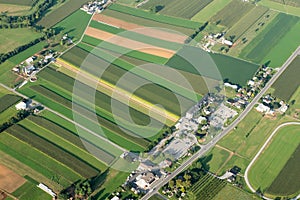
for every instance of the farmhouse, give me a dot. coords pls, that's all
(21, 106)
(262, 108)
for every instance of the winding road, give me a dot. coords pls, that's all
(260, 151)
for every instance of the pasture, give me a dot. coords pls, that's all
(30, 191)
(269, 37)
(286, 184)
(210, 10)
(74, 25)
(289, 77)
(273, 159)
(61, 13)
(177, 8)
(288, 9)
(215, 159)
(13, 38)
(232, 13)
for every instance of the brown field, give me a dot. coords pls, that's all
(9, 180)
(10, 8)
(128, 43)
(151, 32)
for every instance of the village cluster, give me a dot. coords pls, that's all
(212, 39)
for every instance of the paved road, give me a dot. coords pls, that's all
(161, 182)
(261, 150)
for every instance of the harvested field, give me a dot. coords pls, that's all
(152, 32)
(128, 43)
(9, 180)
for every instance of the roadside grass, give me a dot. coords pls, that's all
(289, 77)
(280, 7)
(30, 191)
(210, 10)
(275, 156)
(270, 36)
(232, 13)
(74, 25)
(37, 160)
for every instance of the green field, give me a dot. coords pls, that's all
(13, 38)
(280, 7)
(295, 3)
(18, 2)
(7, 101)
(215, 159)
(210, 10)
(178, 8)
(232, 13)
(288, 77)
(61, 13)
(273, 159)
(29, 191)
(234, 193)
(286, 182)
(74, 25)
(145, 18)
(231, 69)
(269, 37)
(237, 30)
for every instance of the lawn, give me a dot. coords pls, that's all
(234, 193)
(61, 13)
(289, 77)
(29, 191)
(210, 10)
(274, 157)
(280, 7)
(286, 183)
(74, 25)
(215, 159)
(269, 37)
(232, 13)
(215, 66)
(178, 8)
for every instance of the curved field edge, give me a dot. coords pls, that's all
(274, 157)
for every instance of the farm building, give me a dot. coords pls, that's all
(262, 108)
(21, 106)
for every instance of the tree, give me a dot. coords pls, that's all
(171, 184)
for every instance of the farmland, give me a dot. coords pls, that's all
(286, 182)
(288, 2)
(12, 9)
(280, 7)
(13, 38)
(274, 158)
(61, 13)
(178, 8)
(9, 180)
(290, 78)
(232, 13)
(29, 190)
(271, 35)
(7, 101)
(17, 2)
(231, 192)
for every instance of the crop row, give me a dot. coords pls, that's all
(37, 160)
(7, 101)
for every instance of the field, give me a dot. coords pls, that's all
(270, 36)
(207, 187)
(288, 2)
(273, 160)
(286, 181)
(280, 7)
(13, 38)
(17, 2)
(215, 159)
(61, 13)
(237, 30)
(9, 180)
(7, 101)
(233, 193)
(232, 13)
(30, 191)
(231, 69)
(210, 10)
(74, 25)
(12, 9)
(178, 8)
(290, 78)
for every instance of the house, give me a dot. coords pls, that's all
(262, 108)
(146, 166)
(251, 83)
(115, 198)
(235, 87)
(201, 119)
(29, 60)
(28, 69)
(283, 108)
(21, 106)
(143, 181)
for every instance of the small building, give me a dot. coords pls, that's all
(29, 60)
(201, 119)
(262, 108)
(235, 87)
(46, 189)
(144, 181)
(21, 106)
(251, 83)
(115, 198)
